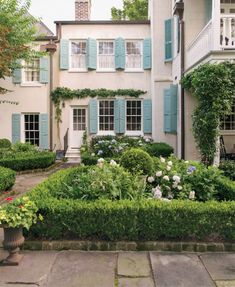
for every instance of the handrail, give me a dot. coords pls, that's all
(66, 141)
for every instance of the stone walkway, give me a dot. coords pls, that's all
(120, 269)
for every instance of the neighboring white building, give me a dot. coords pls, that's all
(144, 55)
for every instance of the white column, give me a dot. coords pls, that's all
(216, 24)
(229, 23)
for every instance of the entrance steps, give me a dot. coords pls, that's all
(73, 155)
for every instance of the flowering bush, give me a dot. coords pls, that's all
(20, 212)
(178, 179)
(104, 181)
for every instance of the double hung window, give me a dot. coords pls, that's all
(78, 55)
(106, 55)
(134, 55)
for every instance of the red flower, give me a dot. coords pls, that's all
(9, 198)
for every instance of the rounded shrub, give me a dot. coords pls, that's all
(159, 149)
(7, 178)
(137, 161)
(228, 167)
(5, 143)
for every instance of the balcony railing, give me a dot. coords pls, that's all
(227, 32)
(201, 46)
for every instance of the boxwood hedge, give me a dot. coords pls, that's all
(127, 220)
(28, 160)
(7, 178)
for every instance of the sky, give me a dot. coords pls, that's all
(52, 10)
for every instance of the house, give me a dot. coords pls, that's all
(186, 34)
(150, 56)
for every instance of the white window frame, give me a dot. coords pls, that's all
(109, 132)
(99, 69)
(228, 131)
(70, 56)
(138, 132)
(29, 83)
(22, 124)
(141, 69)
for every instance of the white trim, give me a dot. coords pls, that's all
(110, 132)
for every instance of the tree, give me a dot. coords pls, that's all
(17, 32)
(132, 10)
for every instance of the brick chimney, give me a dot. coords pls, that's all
(82, 10)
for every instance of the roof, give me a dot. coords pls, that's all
(106, 22)
(43, 30)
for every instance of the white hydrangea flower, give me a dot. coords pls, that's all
(192, 195)
(179, 187)
(159, 173)
(187, 161)
(157, 193)
(150, 179)
(93, 154)
(166, 177)
(168, 168)
(176, 178)
(162, 159)
(113, 162)
(100, 160)
(175, 184)
(170, 163)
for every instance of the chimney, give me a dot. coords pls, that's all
(82, 10)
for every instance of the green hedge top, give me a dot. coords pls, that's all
(7, 178)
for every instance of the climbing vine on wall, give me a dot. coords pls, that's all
(213, 85)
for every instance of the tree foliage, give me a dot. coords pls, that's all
(213, 85)
(17, 32)
(132, 10)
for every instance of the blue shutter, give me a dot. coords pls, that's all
(44, 70)
(119, 116)
(167, 110)
(174, 108)
(15, 128)
(91, 54)
(208, 10)
(147, 116)
(64, 54)
(120, 54)
(43, 129)
(169, 39)
(93, 116)
(17, 74)
(178, 34)
(147, 54)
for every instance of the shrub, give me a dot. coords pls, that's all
(5, 143)
(228, 167)
(28, 160)
(7, 178)
(137, 161)
(225, 188)
(24, 147)
(159, 149)
(89, 159)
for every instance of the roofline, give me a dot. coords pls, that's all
(45, 38)
(104, 22)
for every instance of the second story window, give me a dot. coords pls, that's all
(78, 55)
(106, 56)
(134, 55)
(32, 71)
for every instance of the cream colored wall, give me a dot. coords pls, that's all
(161, 71)
(29, 99)
(96, 79)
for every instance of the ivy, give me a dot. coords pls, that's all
(213, 85)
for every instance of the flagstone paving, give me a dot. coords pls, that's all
(120, 269)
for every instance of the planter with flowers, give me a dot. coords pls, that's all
(14, 216)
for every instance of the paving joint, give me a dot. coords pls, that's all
(199, 257)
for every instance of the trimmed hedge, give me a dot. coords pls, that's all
(159, 149)
(5, 143)
(28, 161)
(127, 220)
(7, 178)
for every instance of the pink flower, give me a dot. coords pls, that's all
(9, 198)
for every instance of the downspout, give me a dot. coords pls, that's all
(179, 11)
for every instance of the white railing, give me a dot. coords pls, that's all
(200, 47)
(78, 61)
(227, 32)
(106, 62)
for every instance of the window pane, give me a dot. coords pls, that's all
(134, 115)
(106, 115)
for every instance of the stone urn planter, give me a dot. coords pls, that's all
(13, 240)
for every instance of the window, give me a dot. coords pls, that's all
(32, 71)
(106, 57)
(31, 128)
(134, 115)
(78, 55)
(133, 55)
(79, 119)
(228, 122)
(106, 115)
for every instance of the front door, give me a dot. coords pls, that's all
(78, 124)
